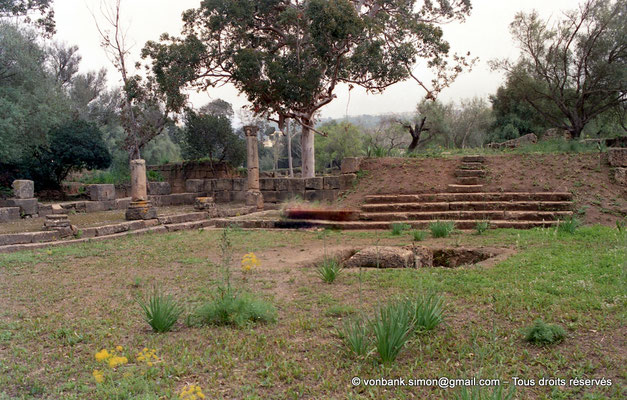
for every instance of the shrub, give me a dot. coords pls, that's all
(328, 270)
(397, 229)
(482, 226)
(441, 229)
(160, 311)
(542, 333)
(236, 309)
(392, 326)
(569, 225)
(354, 333)
(419, 235)
(427, 311)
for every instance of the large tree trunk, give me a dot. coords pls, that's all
(307, 152)
(288, 132)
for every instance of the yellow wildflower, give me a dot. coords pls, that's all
(103, 355)
(98, 376)
(117, 360)
(119, 348)
(192, 392)
(249, 261)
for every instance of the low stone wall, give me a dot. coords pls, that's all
(617, 158)
(177, 174)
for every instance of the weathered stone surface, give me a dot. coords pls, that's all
(140, 210)
(254, 199)
(159, 201)
(555, 133)
(122, 204)
(8, 214)
(238, 196)
(47, 236)
(204, 204)
(178, 199)
(270, 196)
(617, 157)
(297, 186)
(351, 165)
(102, 192)
(382, 257)
(160, 188)
(139, 190)
(314, 183)
(194, 185)
(223, 184)
(510, 144)
(347, 181)
(282, 184)
(94, 206)
(331, 182)
(266, 184)
(23, 189)
(223, 196)
(87, 232)
(620, 175)
(27, 206)
(210, 185)
(14, 238)
(423, 256)
(239, 184)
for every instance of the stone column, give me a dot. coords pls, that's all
(140, 207)
(253, 195)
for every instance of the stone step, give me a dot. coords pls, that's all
(470, 205)
(471, 165)
(473, 159)
(468, 215)
(467, 197)
(456, 188)
(182, 218)
(469, 180)
(469, 172)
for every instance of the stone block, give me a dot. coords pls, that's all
(347, 181)
(223, 196)
(239, 184)
(179, 199)
(314, 183)
(620, 175)
(204, 204)
(284, 196)
(23, 189)
(331, 182)
(313, 195)
(382, 257)
(8, 214)
(296, 186)
(254, 199)
(159, 188)
(43, 237)
(159, 201)
(87, 232)
(14, 238)
(351, 165)
(282, 184)
(617, 157)
(111, 229)
(27, 206)
(239, 196)
(270, 196)
(94, 206)
(122, 204)
(102, 192)
(209, 185)
(194, 185)
(266, 184)
(224, 184)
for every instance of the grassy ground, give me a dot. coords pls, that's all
(59, 307)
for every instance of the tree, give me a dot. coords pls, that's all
(27, 9)
(288, 56)
(341, 140)
(74, 146)
(211, 136)
(576, 70)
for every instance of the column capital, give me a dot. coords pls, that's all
(251, 130)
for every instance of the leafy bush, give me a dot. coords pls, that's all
(238, 309)
(482, 226)
(354, 333)
(392, 326)
(160, 311)
(419, 236)
(569, 225)
(441, 229)
(542, 333)
(328, 270)
(397, 229)
(426, 311)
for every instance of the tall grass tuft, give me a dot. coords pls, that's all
(354, 333)
(399, 228)
(426, 311)
(419, 236)
(392, 326)
(235, 309)
(481, 227)
(329, 269)
(160, 311)
(441, 229)
(569, 225)
(542, 333)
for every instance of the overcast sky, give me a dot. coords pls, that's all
(485, 34)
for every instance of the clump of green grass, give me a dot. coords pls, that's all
(329, 269)
(542, 333)
(355, 335)
(418, 236)
(476, 393)
(161, 311)
(392, 326)
(441, 229)
(569, 225)
(481, 227)
(426, 311)
(339, 310)
(398, 228)
(236, 309)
